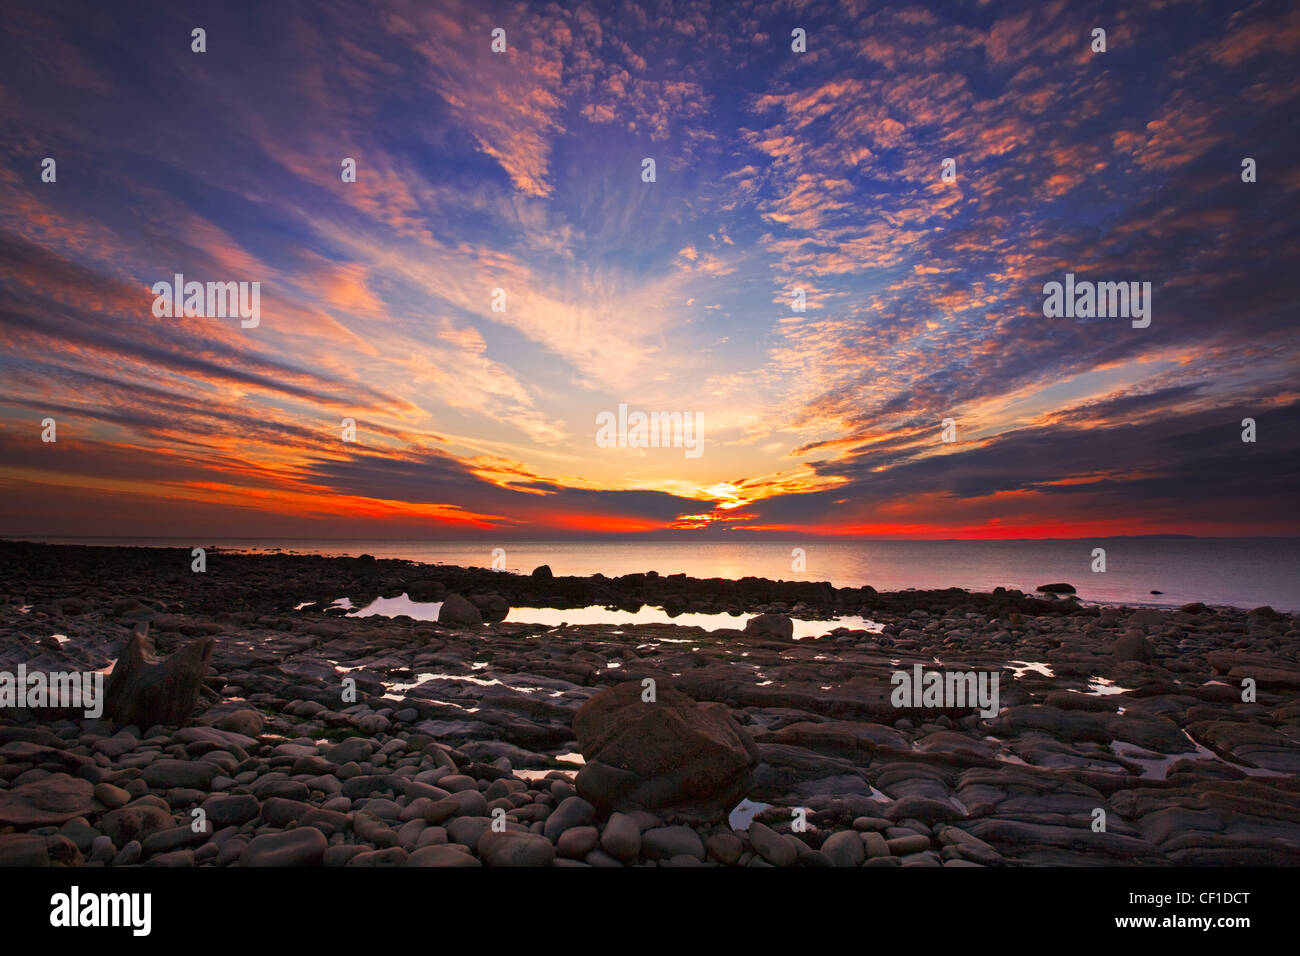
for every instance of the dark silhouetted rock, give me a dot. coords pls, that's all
(776, 626)
(457, 612)
(493, 607)
(51, 800)
(426, 590)
(673, 757)
(146, 691)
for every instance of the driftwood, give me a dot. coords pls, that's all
(145, 690)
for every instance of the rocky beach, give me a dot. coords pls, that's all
(252, 719)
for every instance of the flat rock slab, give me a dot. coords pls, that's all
(55, 799)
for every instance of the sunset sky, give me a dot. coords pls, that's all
(774, 170)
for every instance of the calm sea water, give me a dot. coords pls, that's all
(1244, 572)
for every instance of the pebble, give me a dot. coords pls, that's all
(515, 849)
(304, 846)
(771, 846)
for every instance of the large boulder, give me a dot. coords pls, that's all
(672, 757)
(457, 612)
(776, 626)
(146, 690)
(48, 801)
(493, 607)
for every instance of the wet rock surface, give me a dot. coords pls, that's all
(1124, 736)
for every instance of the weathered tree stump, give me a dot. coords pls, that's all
(144, 690)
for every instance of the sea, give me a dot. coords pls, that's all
(1147, 571)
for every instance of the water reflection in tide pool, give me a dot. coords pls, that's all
(743, 815)
(595, 614)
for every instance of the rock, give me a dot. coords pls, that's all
(572, 812)
(304, 846)
(621, 837)
(426, 590)
(771, 846)
(672, 757)
(225, 810)
(111, 796)
(925, 809)
(845, 848)
(80, 832)
(445, 855)
(577, 842)
(123, 605)
(102, 850)
(511, 848)
(265, 789)
(467, 831)
(146, 691)
(915, 843)
(353, 748)
(661, 843)
(328, 822)
(469, 803)
(341, 854)
(279, 812)
(169, 774)
(457, 612)
(23, 849)
(172, 838)
(543, 573)
(49, 801)
(134, 822)
(1058, 588)
(174, 858)
(129, 854)
(493, 607)
(778, 627)
(244, 721)
(393, 856)
(726, 848)
(1133, 646)
(456, 782)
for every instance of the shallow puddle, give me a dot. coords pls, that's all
(1100, 686)
(1038, 667)
(595, 614)
(743, 815)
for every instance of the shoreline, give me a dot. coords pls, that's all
(454, 721)
(1178, 571)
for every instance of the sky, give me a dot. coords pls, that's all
(501, 274)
